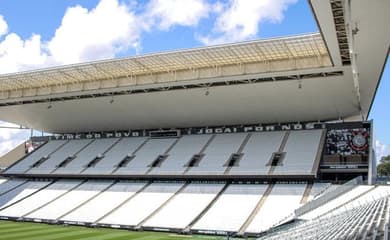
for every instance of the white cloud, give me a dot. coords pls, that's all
(111, 27)
(3, 26)
(8, 145)
(10, 138)
(5, 133)
(101, 33)
(167, 13)
(381, 150)
(17, 54)
(239, 19)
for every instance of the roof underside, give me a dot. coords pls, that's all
(301, 78)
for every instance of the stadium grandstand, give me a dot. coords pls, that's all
(267, 138)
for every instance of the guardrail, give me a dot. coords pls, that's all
(328, 196)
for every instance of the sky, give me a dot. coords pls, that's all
(43, 33)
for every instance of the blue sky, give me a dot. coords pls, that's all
(43, 33)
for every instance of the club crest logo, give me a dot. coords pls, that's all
(359, 140)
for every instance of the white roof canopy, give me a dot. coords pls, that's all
(290, 48)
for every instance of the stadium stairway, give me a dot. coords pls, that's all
(88, 154)
(320, 150)
(27, 161)
(118, 165)
(187, 229)
(123, 203)
(256, 210)
(96, 160)
(44, 159)
(306, 194)
(281, 148)
(239, 151)
(53, 211)
(83, 145)
(23, 192)
(87, 201)
(201, 152)
(54, 199)
(164, 154)
(10, 185)
(139, 226)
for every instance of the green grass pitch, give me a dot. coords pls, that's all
(36, 231)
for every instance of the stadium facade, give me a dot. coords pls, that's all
(247, 139)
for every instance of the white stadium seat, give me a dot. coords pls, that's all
(70, 200)
(217, 154)
(40, 198)
(143, 204)
(104, 202)
(268, 139)
(145, 156)
(257, 153)
(10, 184)
(282, 201)
(337, 202)
(123, 148)
(185, 206)
(69, 149)
(20, 192)
(362, 221)
(172, 156)
(301, 151)
(79, 163)
(181, 154)
(232, 208)
(42, 152)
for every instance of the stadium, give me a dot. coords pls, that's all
(266, 139)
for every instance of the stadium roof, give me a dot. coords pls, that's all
(295, 47)
(315, 77)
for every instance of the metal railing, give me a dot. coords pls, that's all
(328, 196)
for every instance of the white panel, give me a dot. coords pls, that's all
(218, 153)
(39, 199)
(70, 200)
(104, 203)
(282, 201)
(185, 207)
(143, 204)
(126, 146)
(181, 154)
(35, 156)
(257, 153)
(232, 208)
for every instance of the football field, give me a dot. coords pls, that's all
(35, 231)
